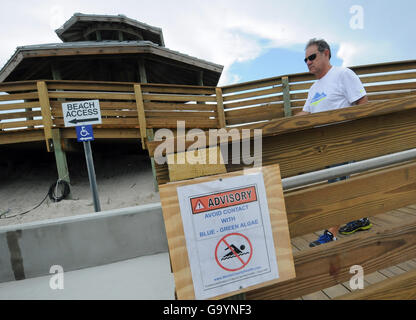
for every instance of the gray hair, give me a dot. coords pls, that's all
(320, 43)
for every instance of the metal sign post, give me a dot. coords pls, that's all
(86, 113)
(91, 175)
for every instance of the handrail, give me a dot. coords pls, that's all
(347, 169)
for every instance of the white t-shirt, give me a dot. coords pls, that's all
(339, 88)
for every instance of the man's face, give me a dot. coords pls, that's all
(317, 65)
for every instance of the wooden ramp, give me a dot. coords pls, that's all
(342, 290)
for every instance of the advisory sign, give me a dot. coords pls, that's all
(228, 234)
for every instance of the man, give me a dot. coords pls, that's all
(335, 88)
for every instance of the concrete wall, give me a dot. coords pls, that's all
(29, 250)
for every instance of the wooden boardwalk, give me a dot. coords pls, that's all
(379, 221)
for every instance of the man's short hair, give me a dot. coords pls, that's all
(321, 44)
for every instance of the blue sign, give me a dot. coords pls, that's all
(84, 133)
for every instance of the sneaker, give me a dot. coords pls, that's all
(326, 237)
(357, 225)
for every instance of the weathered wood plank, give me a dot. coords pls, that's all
(91, 95)
(104, 105)
(20, 124)
(180, 115)
(388, 77)
(20, 136)
(19, 96)
(275, 81)
(20, 105)
(253, 102)
(252, 94)
(128, 122)
(205, 162)
(326, 205)
(181, 90)
(18, 86)
(329, 264)
(154, 106)
(265, 112)
(172, 123)
(57, 113)
(401, 287)
(386, 96)
(336, 291)
(390, 87)
(90, 86)
(17, 115)
(179, 98)
(105, 133)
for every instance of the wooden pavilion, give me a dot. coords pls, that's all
(108, 48)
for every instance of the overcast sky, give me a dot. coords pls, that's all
(251, 39)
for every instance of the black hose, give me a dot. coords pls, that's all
(60, 186)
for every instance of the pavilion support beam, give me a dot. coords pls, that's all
(58, 141)
(97, 35)
(60, 156)
(200, 78)
(142, 71)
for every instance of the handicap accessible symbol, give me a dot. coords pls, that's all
(84, 133)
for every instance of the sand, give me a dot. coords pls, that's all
(123, 173)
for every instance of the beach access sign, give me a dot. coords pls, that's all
(228, 234)
(79, 113)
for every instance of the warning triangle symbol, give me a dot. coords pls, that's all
(199, 206)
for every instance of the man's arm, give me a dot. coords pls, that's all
(302, 113)
(362, 100)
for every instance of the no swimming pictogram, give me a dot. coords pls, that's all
(233, 252)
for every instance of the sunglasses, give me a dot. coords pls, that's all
(310, 58)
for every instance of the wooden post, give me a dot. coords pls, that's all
(149, 133)
(142, 71)
(58, 142)
(60, 156)
(140, 113)
(46, 113)
(286, 96)
(220, 108)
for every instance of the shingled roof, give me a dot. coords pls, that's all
(82, 27)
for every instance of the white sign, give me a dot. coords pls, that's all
(79, 113)
(228, 234)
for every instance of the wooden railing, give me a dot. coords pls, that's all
(128, 109)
